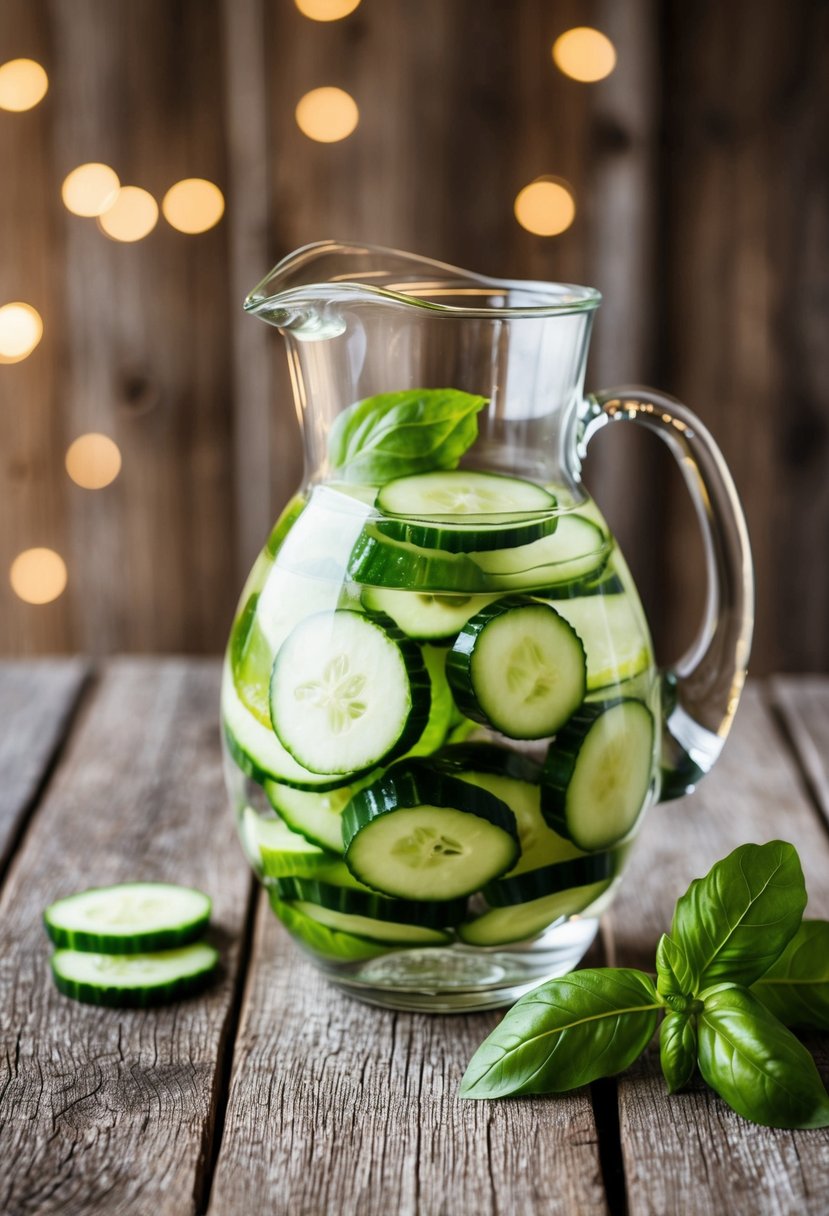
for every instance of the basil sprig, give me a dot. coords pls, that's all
(397, 434)
(737, 967)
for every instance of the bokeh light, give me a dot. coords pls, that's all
(545, 207)
(584, 54)
(133, 214)
(193, 205)
(23, 83)
(327, 115)
(326, 10)
(38, 576)
(21, 328)
(93, 461)
(90, 189)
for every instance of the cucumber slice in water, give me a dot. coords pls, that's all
(519, 667)
(319, 939)
(277, 852)
(368, 905)
(419, 834)
(442, 707)
(577, 549)
(547, 880)
(598, 772)
(316, 816)
(131, 918)
(391, 933)
(346, 693)
(134, 980)
(614, 635)
(425, 616)
(518, 922)
(378, 561)
(462, 492)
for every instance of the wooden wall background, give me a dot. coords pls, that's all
(700, 173)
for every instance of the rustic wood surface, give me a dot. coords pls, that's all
(700, 181)
(275, 1092)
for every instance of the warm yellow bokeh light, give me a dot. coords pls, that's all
(38, 576)
(93, 461)
(545, 207)
(20, 331)
(327, 115)
(90, 189)
(193, 205)
(326, 10)
(133, 214)
(584, 54)
(23, 83)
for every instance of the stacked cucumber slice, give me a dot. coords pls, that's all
(136, 944)
(448, 605)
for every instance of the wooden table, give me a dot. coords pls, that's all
(273, 1092)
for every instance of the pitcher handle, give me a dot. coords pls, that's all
(700, 693)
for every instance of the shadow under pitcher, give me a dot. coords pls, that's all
(441, 714)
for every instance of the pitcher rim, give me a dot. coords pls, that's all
(563, 298)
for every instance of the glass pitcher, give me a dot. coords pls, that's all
(441, 714)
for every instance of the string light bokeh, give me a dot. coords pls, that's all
(23, 83)
(21, 328)
(193, 205)
(326, 10)
(90, 189)
(327, 115)
(132, 215)
(38, 576)
(584, 54)
(545, 207)
(93, 461)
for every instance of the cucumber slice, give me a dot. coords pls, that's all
(277, 852)
(134, 980)
(519, 922)
(368, 905)
(462, 492)
(442, 707)
(316, 816)
(419, 834)
(519, 667)
(547, 880)
(283, 525)
(477, 534)
(514, 779)
(131, 918)
(577, 549)
(422, 615)
(321, 940)
(378, 561)
(614, 635)
(256, 749)
(347, 692)
(388, 932)
(597, 773)
(251, 660)
(607, 583)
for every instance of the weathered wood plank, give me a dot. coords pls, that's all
(105, 1110)
(803, 702)
(37, 701)
(337, 1107)
(690, 1152)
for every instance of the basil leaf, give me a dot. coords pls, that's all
(678, 1049)
(796, 988)
(397, 434)
(756, 1065)
(734, 923)
(674, 981)
(569, 1031)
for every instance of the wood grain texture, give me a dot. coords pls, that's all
(690, 1153)
(803, 703)
(37, 701)
(105, 1110)
(338, 1107)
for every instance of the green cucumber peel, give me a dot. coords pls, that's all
(739, 965)
(397, 434)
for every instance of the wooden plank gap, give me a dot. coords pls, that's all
(799, 706)
(214, 1131)
(604, 1094)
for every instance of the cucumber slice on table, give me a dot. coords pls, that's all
(519, 667)
(597, 773)
(356, 901)
(131, 918)
(577, 549)
(423, 615)
(518, 922)
(134, 980)
(348, 692)
(378, 561)
(278, 852)
(418, 834)
(614, 635)
(332, 944)
(257, 750)
(492, 511)
(515, 780)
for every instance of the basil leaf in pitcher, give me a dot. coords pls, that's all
(756, 1065)
(678, 1049)
(568, 1032)
(796, 988)
(397, 434)
(733, 923)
